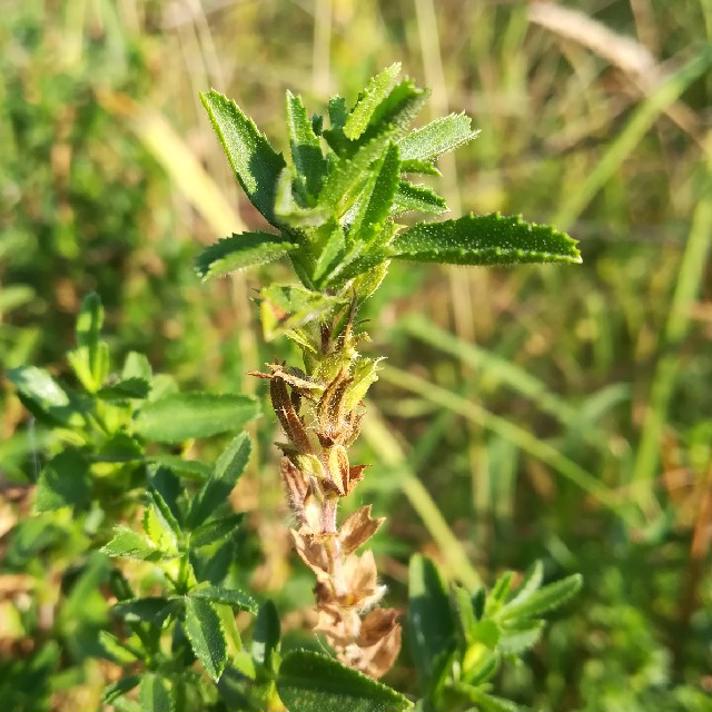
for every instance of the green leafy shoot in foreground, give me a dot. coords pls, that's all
(335, 202)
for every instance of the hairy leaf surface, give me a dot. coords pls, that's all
(485, 240)
(248, 249)
(181, 416)
(312, 682)
(375, 92)
(202, 626)
(377, 198)
(230, 596)
(437, 137)
(255, 163)
(305, 147)
(410, 197)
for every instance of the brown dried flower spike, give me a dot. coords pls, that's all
(320, 423)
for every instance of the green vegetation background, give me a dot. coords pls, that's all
(530, 396)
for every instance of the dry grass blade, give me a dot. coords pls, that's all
(176, 158)
(624, 52)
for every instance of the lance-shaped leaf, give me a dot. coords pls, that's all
(228, 468)
(229, 596)
(423, 167)
(255, 163)
(265, 636)
(181, 416)
(202, 626)
(375, 92)
(530, 584)
(331, 242)
(485, 240)
(346, 176)
(90, 360)
(154, 695)
(545, 599)
(410, 197)
(437, 137)
(120, 687)
(64, 482)
(286, 308)
(126, 389)
(160, 524)
(520, 636)
(129, 544)
(377, 198)
(431, 630)
(216, 530)
(312, 682)
(397, 110)
(43, 396)
(304, 143)
(248, 249)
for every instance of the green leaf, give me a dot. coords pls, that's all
(126, 389)
(265, 636)
(425, 168)
(115, 650)
(230, 596)
(329, 243)
(312, 682)
(118, 688)
(190, 469)
(518, 637)
(338, 111)
(215, 530)
(396, 111)
(484, 669)
(346, 175)
(182, 416)
(202, 626)
(376, 199)
(255, 163)
(90, 360)
(410, 197)
(138, 366)
(483, 240)
(84, 602)
(375, 92)
(430, 625)
(286, 308)
(484, 701)
(464, 613)
(530, 584)
(154, 694)
(305, 146)
(128, 544)
(90, 321)
(42, 395)
(437, 137)
(248, 249)
(160, 524)
(545, 599)
(166, 489)
(228, 468)
(64, 482)
(152, 609)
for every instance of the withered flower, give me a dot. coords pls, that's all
(321, 419)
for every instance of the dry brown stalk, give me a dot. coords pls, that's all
(321, 417)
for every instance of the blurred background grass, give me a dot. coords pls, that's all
(560, 413)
